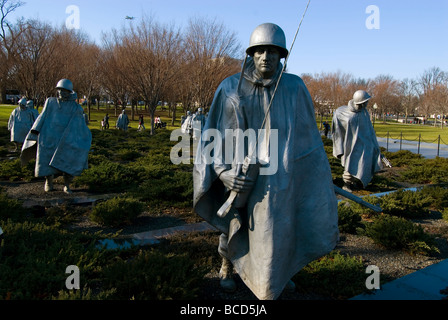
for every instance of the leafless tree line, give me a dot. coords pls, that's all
(146, 62)
(140, 64)
(425, 95)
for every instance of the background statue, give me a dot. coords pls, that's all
(198, 123)
(20, 123)
(290, 217)
(59, 139)
(123, 121)
(30, 105)
(355, 143)
(187, 125)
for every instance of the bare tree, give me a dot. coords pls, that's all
(211, 51)
(408, 96)
(8, 44)
(33, 58)
(149, 55)
(433, 84)
(112, 71)
(47, 55)
(385, 93)
(88, 80)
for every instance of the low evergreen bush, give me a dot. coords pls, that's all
(10, 208)
(330, 276)
(348, 219)
(116, 211)
(152, 275)
(426, 172)
(398, 233)
(34, 257)
(127, 155)
(109, 176)
(445, 214)
(12, 170)
(439, 196)
(406, 203)
(403, 158)
(174, 190)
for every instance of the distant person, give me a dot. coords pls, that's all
(141, 123)
(59, 139)
(158, 122)
(122, 121)
(105, 122)
(326, 129)
(355, 142)
(20, 122)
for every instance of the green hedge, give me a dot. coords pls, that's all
(401, 234)
(116, 211)
(334, 275)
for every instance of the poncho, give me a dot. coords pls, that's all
(187, 126)
(355, 143)
(20, 123)
(63, 142)
(291, 216)
(122, 122)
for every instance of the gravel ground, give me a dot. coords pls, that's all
(392, 264)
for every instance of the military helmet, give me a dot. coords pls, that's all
(30, 104)
(65, 84)
(268, 34)
(22, 102)
(360, 97)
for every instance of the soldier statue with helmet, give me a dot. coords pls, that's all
(290, 216)
(59, 139)
(355, 143)
(19, 124)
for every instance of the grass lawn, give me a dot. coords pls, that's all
(97, 115)
(411, 132)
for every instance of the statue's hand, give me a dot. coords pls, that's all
(33, 135)
(238, 183)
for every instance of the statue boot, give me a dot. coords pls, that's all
(67, 180)
(347, 187)
(48, 184)
(226, 275)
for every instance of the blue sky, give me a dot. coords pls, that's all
(412, 35)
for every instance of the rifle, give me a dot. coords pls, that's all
(386, 161)
(356, 199)
(238, 199)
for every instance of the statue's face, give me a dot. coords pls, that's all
(63, 94)
(266, 59)
(362, 105)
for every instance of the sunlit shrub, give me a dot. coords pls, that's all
(116, 211)
(398, 233)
